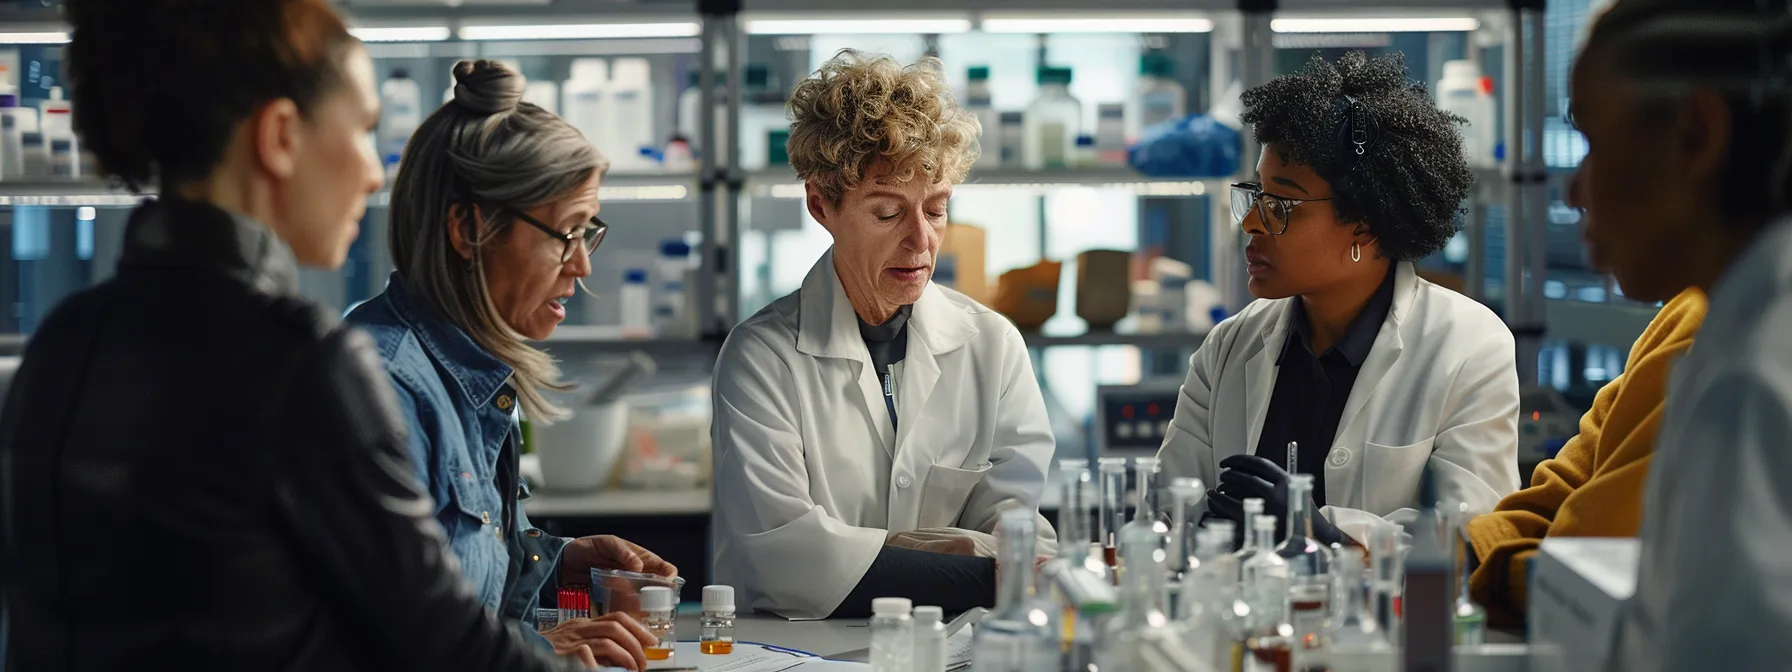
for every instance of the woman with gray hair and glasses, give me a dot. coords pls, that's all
(494, 218)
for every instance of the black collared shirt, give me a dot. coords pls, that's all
(1311, 390)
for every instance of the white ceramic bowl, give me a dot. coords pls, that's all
(579, 453)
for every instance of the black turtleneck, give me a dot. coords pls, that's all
(953, 582)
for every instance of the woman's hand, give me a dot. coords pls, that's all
(608, 552)
(614, 639)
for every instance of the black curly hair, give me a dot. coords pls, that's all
(1408, 184)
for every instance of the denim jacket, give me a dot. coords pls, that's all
(462, 414)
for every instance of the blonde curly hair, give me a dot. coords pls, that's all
(859, 110)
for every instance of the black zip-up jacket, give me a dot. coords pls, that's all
(200, 470)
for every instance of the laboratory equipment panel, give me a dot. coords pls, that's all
(1131, 420)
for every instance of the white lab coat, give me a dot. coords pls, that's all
(1439, 387)
(808, 479)
(1714, 579)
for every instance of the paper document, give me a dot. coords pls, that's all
(745, 658)
(958, 649)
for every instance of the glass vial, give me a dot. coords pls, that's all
(930, 640)
(1266, 591)
(892, 634)
(717, 621)
(1471, 618)
(1247, 546)
(659, 603)
(1113, 506)
(1022, 633)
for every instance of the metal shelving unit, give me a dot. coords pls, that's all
(1242, 50)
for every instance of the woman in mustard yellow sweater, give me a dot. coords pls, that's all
(1594, 486)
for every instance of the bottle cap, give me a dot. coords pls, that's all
(8, 99)
(634, 276)
(658, 598)
(1089, 141)
(891, 606)
(929, 614)
(1156, 64)
(1250, 507)
(977, 72)
(400, 73)
(675, 247)
(718, 598)
(1266, 522)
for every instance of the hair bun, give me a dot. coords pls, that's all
(487, 87)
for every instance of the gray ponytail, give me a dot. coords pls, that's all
(485, 146)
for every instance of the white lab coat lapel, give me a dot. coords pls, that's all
(936, 328)
(1261, 368)
(1342, 483)
(830, 328)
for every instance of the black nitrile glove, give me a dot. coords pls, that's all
(1246, 476)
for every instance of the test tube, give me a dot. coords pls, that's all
(1388, 560)
(1113, 505)
(1293, 457)
(1073, 522)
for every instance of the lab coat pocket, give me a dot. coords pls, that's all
(1392, 474)
(947, 488)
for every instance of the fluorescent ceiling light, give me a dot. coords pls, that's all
(1163, 24)
(409, 34)
(46, 37)
(1389, 25)
(585, 31)
(857, 26)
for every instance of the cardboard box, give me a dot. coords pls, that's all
(1578, 587)
(961, 263)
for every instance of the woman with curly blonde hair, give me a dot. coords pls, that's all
(871, 426)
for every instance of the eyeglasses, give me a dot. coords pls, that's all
(589, 236)
(1273, 212)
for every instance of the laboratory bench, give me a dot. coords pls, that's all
(846, 639)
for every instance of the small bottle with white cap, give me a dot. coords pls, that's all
(892, 635)
(659, 602)
(717, 621)
(930, 640)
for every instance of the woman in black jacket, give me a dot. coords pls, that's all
(198, 468)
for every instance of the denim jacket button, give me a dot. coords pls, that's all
(505, 402)
(486, 516)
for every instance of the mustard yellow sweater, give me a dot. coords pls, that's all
(1594, 486)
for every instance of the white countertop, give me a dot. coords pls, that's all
(838, 639)
(619, 502)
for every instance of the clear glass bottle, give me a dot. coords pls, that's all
(1357, 629)
(1022, 633)
(1309, 568)
(1266, 590)
(1185, 508)
(1471, 618)
(1076, 581)
(1113, 507)
(892, 634)
(930, 640)
(1207, 593)
(717, 621)
(1247, 546)
(1053, 120)
(1145, 512)
(1387, 582)
(659, 603)
(1141, 600)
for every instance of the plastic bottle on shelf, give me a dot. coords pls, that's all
(659, 603)
(1053, 121)
(980, 103)
(761, 113)
(690, 111)
(1157, 97)
(892, 635)
(545, 95)
(401, 103)
(57, 114)
(36, 154)
(1460, 93)
(637, 304)
(585, 102)
(14, 121)
(631, 99)
(930, 640)
(62, 147)
(671, 302)
(1111, 139)
(1013, 138)
(1085, 152)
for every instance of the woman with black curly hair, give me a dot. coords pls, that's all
(1349, 367)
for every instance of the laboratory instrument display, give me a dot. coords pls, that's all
(1161, 589)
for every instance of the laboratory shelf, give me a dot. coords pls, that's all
(1160, 341)
(607, 340)
(67, 192)
(779, 183)
(633, 187)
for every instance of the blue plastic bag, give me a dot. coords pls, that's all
(1191, 146)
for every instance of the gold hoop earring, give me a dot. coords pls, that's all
(1356, 253)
